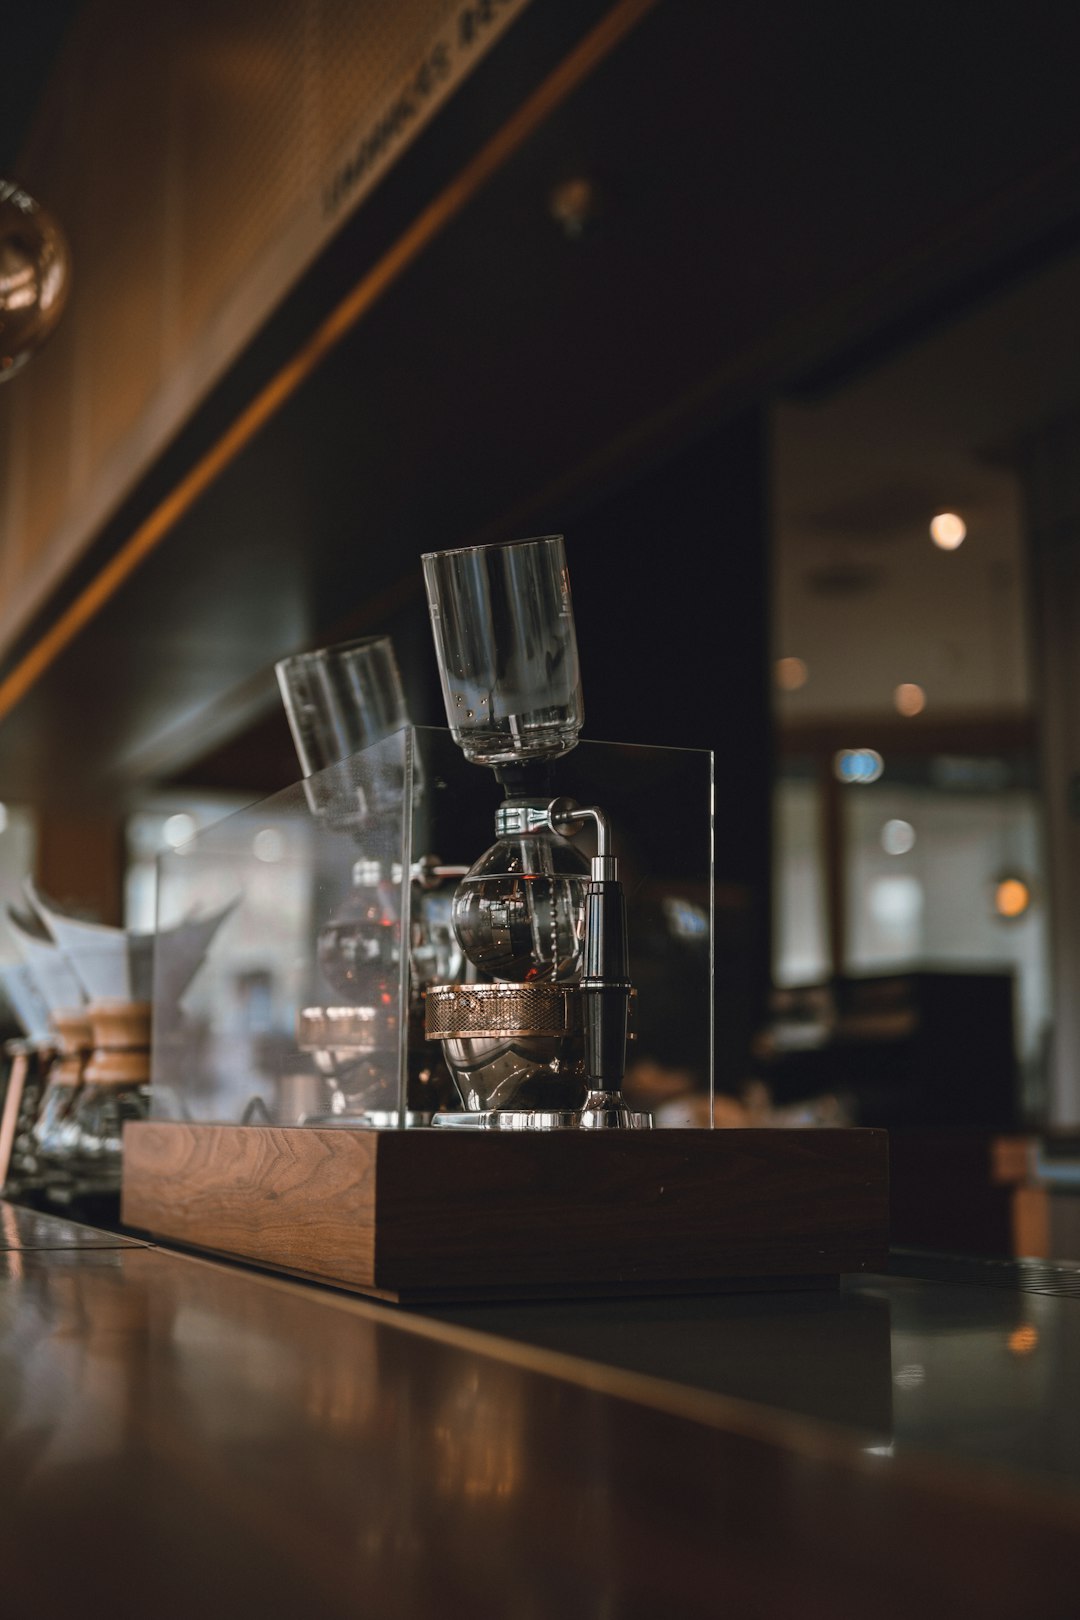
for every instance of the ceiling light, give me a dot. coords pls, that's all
(790, 674)
(572, 204)
(909, 699)
(897, 837)
(947, 530)
(179, 829)
(1012, 897)
(268, 844)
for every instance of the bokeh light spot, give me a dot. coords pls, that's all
(948, 530)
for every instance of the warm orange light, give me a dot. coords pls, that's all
(1011, 897)
(948, 530)
(791, 673)
(909, 698)
(1024, 1339)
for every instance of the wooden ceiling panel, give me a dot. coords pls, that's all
(765, 196)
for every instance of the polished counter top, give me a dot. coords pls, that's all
(970, 1360)
(182, 1437)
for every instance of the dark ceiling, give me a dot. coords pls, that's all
(33, 33)
(784, 191)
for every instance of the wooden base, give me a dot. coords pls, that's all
(424, 1214)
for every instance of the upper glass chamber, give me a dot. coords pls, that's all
(503, 624)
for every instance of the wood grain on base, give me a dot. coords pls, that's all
(282, 1197)
(422, 1212)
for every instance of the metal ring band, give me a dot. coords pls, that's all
(452, 1011)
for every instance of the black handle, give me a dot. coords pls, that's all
(605, 985)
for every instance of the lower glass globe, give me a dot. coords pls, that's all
(519, 913)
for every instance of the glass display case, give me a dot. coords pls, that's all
(378, 909)
(454, 1034)
(378, 1068)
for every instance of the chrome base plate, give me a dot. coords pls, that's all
(540, 1119)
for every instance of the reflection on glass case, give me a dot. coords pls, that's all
(375, 970)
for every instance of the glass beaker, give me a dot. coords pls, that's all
(503, 624)
(339, 700)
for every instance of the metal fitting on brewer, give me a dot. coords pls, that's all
(520, 816)
(566, 817)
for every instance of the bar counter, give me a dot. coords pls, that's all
(185, 1437)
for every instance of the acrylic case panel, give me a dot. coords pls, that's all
(291, 1010)
(296, 938)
